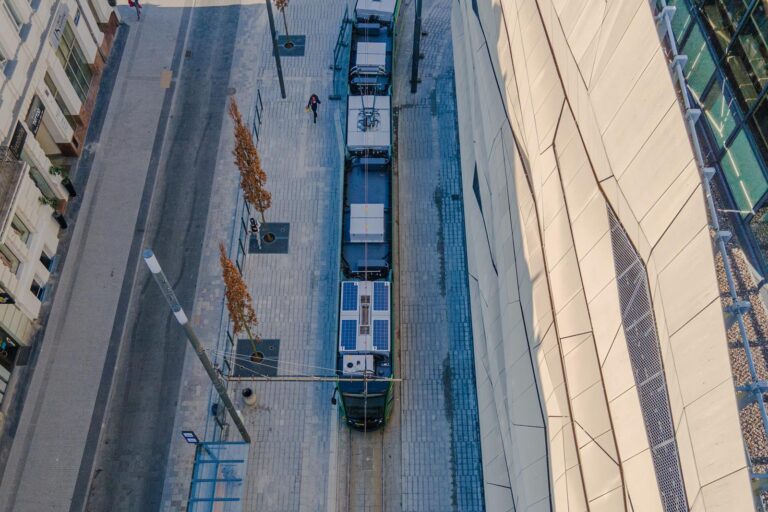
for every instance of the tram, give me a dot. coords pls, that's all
(365, 330)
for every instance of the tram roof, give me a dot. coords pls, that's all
(369, 123)
(383, 10)
(364, 317)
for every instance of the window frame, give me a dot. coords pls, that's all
(72, 59)
(21, 229)
(44, 255)
(5, 251)
(40, 292)
(13, 15)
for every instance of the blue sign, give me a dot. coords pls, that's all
(190, 437)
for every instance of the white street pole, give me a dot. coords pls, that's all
(181, 317)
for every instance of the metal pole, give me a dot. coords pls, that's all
(275, 49)
(309, 378)
(181, 317)
(416, 47)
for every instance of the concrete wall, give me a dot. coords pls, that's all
(566, 111)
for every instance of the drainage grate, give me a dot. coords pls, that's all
(644, 356)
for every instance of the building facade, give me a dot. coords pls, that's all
(603, 372)
(727, 73)
(52, 53)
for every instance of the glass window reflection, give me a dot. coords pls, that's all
(719, 107)
(743, 173)
(747, 60)
(722, 18)
(700, 66)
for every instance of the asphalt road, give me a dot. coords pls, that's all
(131, 456)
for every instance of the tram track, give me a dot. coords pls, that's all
(369, 468)
(365, 468)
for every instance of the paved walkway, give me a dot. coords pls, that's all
(294, 294)
(300, 455)
(53, 435)
(441, 468)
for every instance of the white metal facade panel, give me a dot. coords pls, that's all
(364, 341)
(376, 137)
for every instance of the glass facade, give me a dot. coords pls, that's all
(59, 101)
(74, 62)
(726, 42)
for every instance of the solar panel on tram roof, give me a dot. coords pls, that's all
(381, 335)
(349, 297)
(348, 334)
(380, 296)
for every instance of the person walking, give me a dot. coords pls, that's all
(313, 102)
(135, 4)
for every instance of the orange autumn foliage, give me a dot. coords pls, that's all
(238, 299)
(252, 176)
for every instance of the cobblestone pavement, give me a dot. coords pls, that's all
(302, 458)
(441, 467)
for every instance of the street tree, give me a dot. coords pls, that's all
(238, 299)
(281, 5)
(252, 175)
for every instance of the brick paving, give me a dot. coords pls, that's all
(441, 467)
(298, 457)
(294, 294)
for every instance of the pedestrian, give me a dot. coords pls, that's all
(313, 102)
(136, 5)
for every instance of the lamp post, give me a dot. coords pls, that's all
(275, 50)
(416, 47)
(181, 317)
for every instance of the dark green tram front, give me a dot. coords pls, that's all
(366, 405)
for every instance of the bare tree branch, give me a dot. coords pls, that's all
(238, 299)
(252, 175)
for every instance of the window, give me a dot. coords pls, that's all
(37, 289)
(722, 18)
(73, 61)
(747, 60)
(9, 259)
(13, 15)
(759, 124)
(21, 230)
(719, 108)
(681, 19)
(59, 101)
(46, 260)
(39, 180)
(743, 173)
(700, 66)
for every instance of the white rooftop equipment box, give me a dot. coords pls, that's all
(371, 58)
(354, 364)
(383, 10)
(366, 223)
(368, 123)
